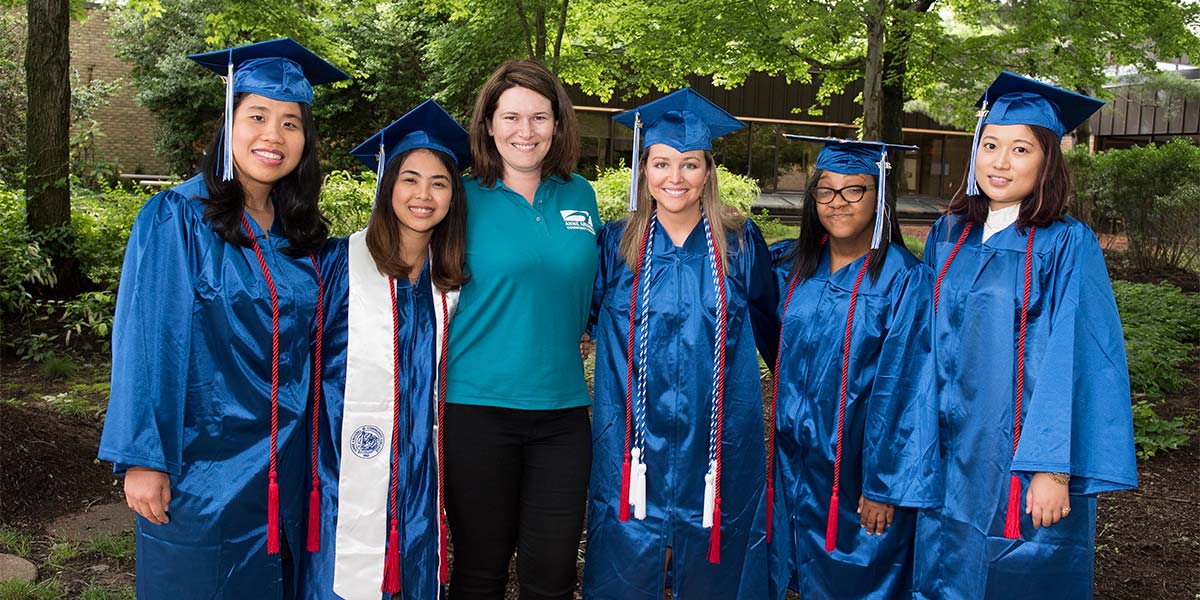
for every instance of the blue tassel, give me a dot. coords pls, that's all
(972, 186)
(227, 135)
(637, 156)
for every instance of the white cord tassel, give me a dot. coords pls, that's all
(710, 493)
(382, 160)
(637, 156)
(227, 135)
(637, 490)
(880, 200)
(972, 186)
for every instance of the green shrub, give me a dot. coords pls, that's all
(612, 191)
(1153, 191)
(90, 314)
(1161, 325)
(102, 220)
(23, 262)
(1152, 433)
(346, 201)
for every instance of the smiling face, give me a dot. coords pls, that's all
(845, 221)
(522, 127)
(267, 141)
(1008, 164)
(675, 179)
(422, 192)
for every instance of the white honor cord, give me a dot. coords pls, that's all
(710, 493)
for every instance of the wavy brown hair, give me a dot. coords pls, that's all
(721, 219)
(564, 145)
(1050, 196)
(448, 246)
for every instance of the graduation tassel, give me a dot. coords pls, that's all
(714, 534)
(623, 501)
(391, 565)
(880, 201)
(1012, 520)
(272, 514)
(972, 185)
(832, 523)
(637, 152)
(227, 135)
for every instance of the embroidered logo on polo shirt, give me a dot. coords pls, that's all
(578, 219)
(366, 441)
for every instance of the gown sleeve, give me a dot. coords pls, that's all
(151, 339)
(900, 443)
(1079, 419)
(762, 293)
(601, 284)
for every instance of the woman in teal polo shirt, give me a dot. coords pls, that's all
(518, 439)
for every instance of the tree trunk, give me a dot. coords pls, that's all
(895, 69)
(558, 36)
(872, 95)
(47, 135)
(540, 27)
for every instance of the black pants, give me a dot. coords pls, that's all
(516, 479)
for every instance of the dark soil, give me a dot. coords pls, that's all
(1119, 267)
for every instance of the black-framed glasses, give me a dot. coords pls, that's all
(850, 193)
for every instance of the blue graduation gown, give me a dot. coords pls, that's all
(625, 560)
(889, 443)
(417, 491)
(1076, 410)
(191, 396)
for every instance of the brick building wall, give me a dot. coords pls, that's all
(126, 129)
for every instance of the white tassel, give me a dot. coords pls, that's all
(637, 156)
(972, 186)
(227, 135)
(710, 494)
(880, 200)
(637, 490)
(382, 162)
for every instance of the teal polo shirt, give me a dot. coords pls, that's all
(514, 340)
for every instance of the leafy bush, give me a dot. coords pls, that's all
(612, 191)
(23, 262)
(346, 201)
(1152, 433)
(102, 220)
(1161, 325)
(1153, 190)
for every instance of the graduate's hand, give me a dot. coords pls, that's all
(585, 346)
(1047, 500)
(148, 492)
(874, 516)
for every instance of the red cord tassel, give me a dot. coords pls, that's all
(272, 514)
(832, 523)
(714, 535)
(314, 517)
(391, 565)
(770, 509)
(1012, 520)
(623, 501)
(443, 555)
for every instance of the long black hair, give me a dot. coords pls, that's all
(448, 245)
(295, 195)
(806, 252)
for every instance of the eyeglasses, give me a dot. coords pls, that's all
(850, 193)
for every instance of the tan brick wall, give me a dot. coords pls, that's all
(127, 129)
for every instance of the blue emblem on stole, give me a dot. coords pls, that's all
(366, 441)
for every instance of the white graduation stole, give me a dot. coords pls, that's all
(365, 472)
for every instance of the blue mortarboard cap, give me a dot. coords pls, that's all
(683, 120)
(1016, 100)
(859, 157)
(279, 69)
(426, 126)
